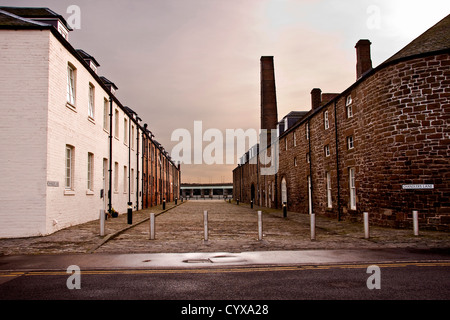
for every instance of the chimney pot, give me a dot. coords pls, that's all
(316, 98)
(363, 60)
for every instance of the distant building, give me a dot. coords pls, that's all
(69, 147)
(200, 191)
(381, 145)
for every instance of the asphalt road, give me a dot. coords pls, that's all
(404, 281)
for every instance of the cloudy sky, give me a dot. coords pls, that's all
(180, 61)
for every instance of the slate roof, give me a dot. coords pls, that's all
(31, 13)
(437, 38)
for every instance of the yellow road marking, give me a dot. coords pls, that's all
(228, 270)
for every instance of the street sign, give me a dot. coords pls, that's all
(418, 186)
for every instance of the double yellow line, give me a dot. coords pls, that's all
(228, 270)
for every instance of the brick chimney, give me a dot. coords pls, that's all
(269, 113)
(316, 98)
(363, 61)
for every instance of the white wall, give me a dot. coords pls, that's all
(23, 131)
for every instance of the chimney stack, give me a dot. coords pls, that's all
(269, 113)
(363, 61)
(316, 98)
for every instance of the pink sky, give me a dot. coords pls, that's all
(180, 61)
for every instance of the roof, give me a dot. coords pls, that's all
(437, 38)
(35, 13)
(8, 19)
(87, 56)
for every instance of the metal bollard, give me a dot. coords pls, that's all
(237, 201)
(251, 204)
(130, 213)
(176, 199)
(366, 225)
(205, 224)
(416, 222)
(102, 222)
(313, 226)
(164, 204)
(152, 226)
(284, 210)
(260, 226)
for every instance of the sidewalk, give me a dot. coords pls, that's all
(232, 228)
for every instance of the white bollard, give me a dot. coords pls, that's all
(152, 226)
(260, 226)
(313, 226)
(366, 225)
(205, 222)
(102, 222)
(416, 222)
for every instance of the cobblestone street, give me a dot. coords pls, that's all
(232, 228)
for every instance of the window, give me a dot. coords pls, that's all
(125, 131)
(71, 84)
(329, 202)
(307, 131)
(106, 114)
(295, 162)
(132, 137)
(132, 181)
(307, 158)
(348, 106)
(327, 150)
(325, 119)
(90, 172)
(286, 141)
(116, 177)
(351, 174)
(125, 176)
(69, 167)
(295, 139)
(91, 101)
(116, 124)
(350, 144)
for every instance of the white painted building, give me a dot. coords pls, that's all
(55, 130)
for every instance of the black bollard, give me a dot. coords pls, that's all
(284, 210)
(164, 204)
(251, 204)
(176, 201)
(130, 213)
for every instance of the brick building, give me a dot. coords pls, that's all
(381, 146)
(69, 147)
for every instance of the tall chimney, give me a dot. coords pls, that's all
(316, 98)
(363, 61)
(269, 113)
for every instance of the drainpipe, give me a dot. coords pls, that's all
(137, 165)
(110, 155)
(337, 161)
(144, 146)
(310, 167)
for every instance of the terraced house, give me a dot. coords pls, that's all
(381, 146)
(69, 147)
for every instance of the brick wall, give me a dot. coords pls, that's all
(399, 126)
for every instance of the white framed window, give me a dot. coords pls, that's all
(91, 106)
(350, 144)
(71, 73)
(125, 180)
(90, 171)
(286, 141)
(327, 150)
(116, 177)
(132, 181)
(116, 124)
(106, 115)
(348, 106)
(351, 176)
(325, 120)
(295, 161)
(329, 201)
(132, 137)
(307, 158)
(125, 131)
(69, 167)
(307, 131)
(295, 139)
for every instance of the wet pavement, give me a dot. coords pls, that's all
(232, 229)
